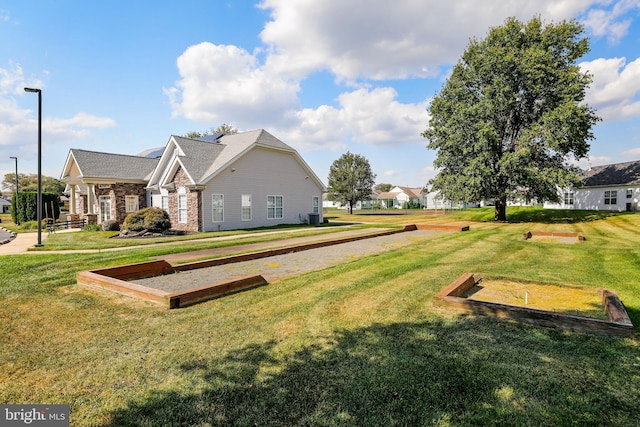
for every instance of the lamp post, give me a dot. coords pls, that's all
(17, 211)
(39, 199)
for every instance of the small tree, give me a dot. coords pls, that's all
(511, 116)
(350, 180)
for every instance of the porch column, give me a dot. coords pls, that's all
(72, 201)
(90, 199)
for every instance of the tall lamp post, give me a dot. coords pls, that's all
(16, 204)
(39, 200)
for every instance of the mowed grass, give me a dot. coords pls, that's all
(358, 344)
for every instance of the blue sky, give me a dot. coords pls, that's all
(326, 77)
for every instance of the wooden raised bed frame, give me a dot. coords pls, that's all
(618, 323)
(115, 279)
(529, 234)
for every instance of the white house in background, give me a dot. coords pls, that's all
(400, 197)
(614, 187)
(5, 205)
(218, 182)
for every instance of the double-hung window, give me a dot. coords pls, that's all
(217, 207)
(316, 204)
(182, 208)
(164, 200)
(611, 197)
(246, 207)
(131, 203)
(275, 207)
(568, 197)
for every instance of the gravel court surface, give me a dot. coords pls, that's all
(289, 265)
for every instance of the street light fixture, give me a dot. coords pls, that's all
(16, 204)
(39, 200)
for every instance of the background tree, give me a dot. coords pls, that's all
(30, 183)
(383, 188)
(511, 116)
(350, 180)
(223, 128)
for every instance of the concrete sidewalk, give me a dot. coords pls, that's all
(24, 241)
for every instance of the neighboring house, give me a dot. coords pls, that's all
(218, 182)
(5, 205)
(613, 187)
(401, 197)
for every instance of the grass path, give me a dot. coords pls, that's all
(355, 344)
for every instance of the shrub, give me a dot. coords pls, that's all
(152, 219)
(111, 225)
(92, 227)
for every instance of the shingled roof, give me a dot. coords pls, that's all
(627, 173)
(94, 164)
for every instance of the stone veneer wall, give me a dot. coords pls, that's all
(117, 192)
(194, 204)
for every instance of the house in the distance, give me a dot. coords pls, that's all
(402, 197)
(218, 182)
(614, 187)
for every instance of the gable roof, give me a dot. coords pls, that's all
(203, 159)
(107, 166)
(627, 173)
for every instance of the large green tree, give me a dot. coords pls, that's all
(511, 117)
(350, 180)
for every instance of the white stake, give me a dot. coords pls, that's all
(526, 298)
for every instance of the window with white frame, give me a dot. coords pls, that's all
(611, 197)
(629, 193)
(105, 208)
(164, 201)
(131, 203)
(182, 208)
(316, 204)
(568, 197)
(246, 207)
(275, 205)
(217, 207)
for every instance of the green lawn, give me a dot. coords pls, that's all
(359, 344)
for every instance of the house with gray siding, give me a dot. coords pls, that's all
(217, 182)
(614, 187)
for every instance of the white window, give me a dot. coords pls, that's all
(316, 204)
(611, 197)
(164, 201)
(217, 207)
(131, 203)
(629, 193)
(182, 208)
(568, 197)
(246, 207)
(275, 207)
(105, 208)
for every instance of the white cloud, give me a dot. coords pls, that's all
(18, 125)
(611, 23)
(381, 40)
(634, 152)
(615, 88)
(220, 83)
